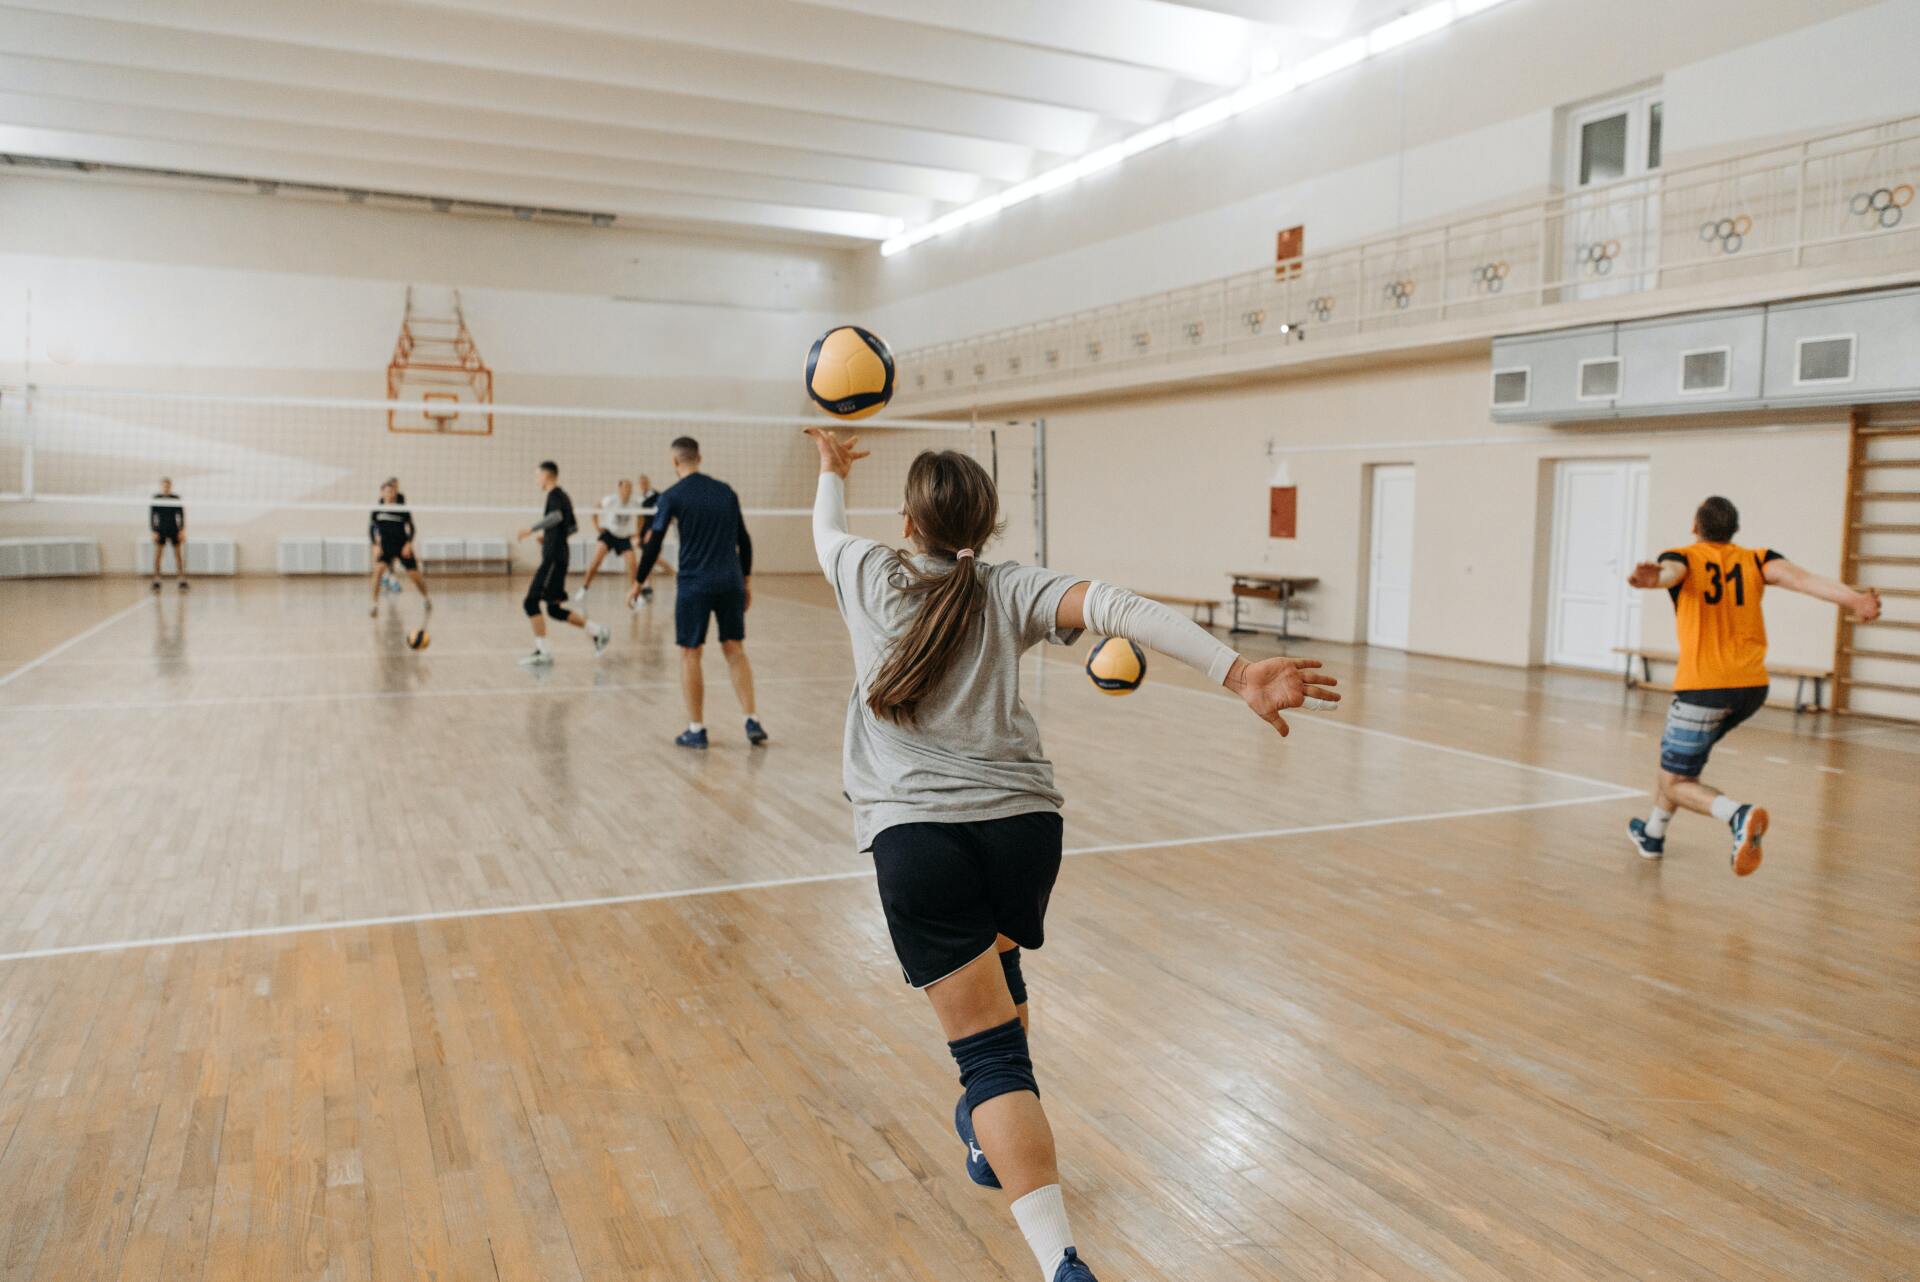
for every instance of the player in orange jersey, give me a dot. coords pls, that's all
(1716, 586)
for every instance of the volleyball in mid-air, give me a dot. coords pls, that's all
(418, 639)
(1116, 666)
(850, 372)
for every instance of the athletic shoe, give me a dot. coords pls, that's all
(538, 659)
(1073, 1269)
(184, 585)
(977, 1169)
(1649, 847)
(756, 734)
(579, 595)
(646, 594)
(156, 585)
(602, 637)
(374, 613)
(1749, 824)
(691, 739)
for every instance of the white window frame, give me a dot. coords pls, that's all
(1853, 359)
(1494, 384)
(1726, 384)
(1580, 378)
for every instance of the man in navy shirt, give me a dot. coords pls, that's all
(716, 569)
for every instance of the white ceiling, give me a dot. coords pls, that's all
(834, 119)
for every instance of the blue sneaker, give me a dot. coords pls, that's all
(1749, 825)
(977, 1169)
(756, 733)
(1073, 1269)
(691, 739)
(1649, 847)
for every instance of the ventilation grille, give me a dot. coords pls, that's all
(1511, 386)
(1825, 360)
(1600, 379)
(1704, 371)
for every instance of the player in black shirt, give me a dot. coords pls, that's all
(391, 529)
(549, 586)
(168, 521)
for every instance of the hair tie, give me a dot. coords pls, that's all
(963, 552)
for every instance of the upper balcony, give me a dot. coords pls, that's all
(1832, 212)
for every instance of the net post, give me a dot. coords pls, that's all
(1040, 491)
(26, 446)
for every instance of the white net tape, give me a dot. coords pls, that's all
(246, 456)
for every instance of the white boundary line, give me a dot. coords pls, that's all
(695, 892)
(77, 638)
(359, 696)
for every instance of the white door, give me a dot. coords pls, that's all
(1613, 203)
(1390, 559)
(1599, 534)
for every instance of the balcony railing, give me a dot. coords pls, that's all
(1828, 200)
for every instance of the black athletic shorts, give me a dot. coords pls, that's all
(167, 536)
(616, 543)
(549, 586)
(949, 890)
(390, 553)
(693, 601)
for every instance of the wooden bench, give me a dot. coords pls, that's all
(1264, 586)
(1800, 675)
(1193, 604)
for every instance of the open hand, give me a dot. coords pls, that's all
(1645, 575)
(836, 455)
(1271, 686)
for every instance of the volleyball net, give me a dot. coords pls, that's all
(249, 454)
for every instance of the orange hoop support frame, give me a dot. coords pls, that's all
(438, 357)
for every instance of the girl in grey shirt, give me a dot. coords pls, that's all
(953, 795)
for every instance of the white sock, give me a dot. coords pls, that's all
(1724, 806)
(1042, 1217)
(1657, 821)
(539, 645)
(698, 727)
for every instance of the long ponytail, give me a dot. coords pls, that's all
(954, 510)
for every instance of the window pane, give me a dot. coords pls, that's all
(1653, 135)
(1603, 150)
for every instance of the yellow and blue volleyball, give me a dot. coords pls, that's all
(1116, 666)
(850, 372)
(418, 639)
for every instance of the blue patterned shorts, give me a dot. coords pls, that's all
(1698, 719)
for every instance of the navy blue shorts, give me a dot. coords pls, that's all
(1698, 719)
(694, 601)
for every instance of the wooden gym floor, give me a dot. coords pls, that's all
(324, 959)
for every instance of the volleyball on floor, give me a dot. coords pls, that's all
(850, 372)
(418, 639)
(1116, 666)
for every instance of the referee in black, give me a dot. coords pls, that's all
(168, 521)
(549, 586)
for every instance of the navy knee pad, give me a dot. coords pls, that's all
(556, 610)
(994, 1063)
(532, 606)
(1016, 982)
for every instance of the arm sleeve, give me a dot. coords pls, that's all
(373, 526)
(650, 543)
(409, 520)
(547, 521)
(1117, 612)
(745, 542)
(1772, 554)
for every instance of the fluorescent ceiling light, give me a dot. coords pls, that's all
(1208, 113)
(1148, 138)
(1328, 61)
(1467, 8)
(1421, 22)
(1266, 89)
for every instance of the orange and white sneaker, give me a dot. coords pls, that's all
(1749, 824)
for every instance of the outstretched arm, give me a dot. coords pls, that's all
(1783, 573)
(1269, 687)
(1657, 574)
(837, 458)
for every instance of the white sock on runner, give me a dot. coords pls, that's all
(1657, 821)
(1042, 1217)
(1724, 806)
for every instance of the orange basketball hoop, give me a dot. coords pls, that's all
(435, 360)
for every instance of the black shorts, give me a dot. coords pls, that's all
(167, 536)
(616, 542)
(1698, 719)
(549, 586)
(389, 555)
(694, 601)
(949, 890)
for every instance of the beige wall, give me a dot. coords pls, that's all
(1169, 494)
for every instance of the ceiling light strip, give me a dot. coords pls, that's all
(1403, 30)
